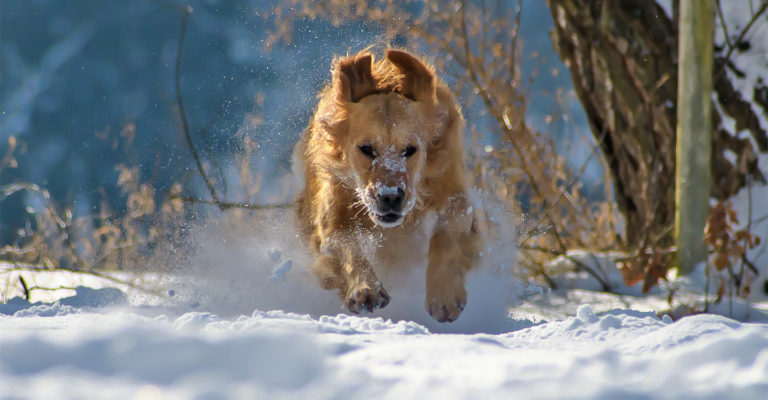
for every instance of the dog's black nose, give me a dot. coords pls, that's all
(391, 200)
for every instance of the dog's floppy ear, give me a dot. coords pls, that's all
(352, 78)
(418, 80)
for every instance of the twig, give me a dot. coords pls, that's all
(118, 280)
(540, 249)
(52, 289)
(36, 268)
(760, 220)
(579, 265)
(225, 205)
(732, 46)
(707, 274)
(513, 50)
(583, 267)
(568, 187)
(25, 287)
(755, 17)
(540, 270)
(611, 203)
(749, 203)
(484, 36)
(186, 11)
(222, 205)
(642, 251)
(722, 22)
(749, 264)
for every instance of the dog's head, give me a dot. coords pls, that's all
(389, 120)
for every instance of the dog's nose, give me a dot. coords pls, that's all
(391, 200)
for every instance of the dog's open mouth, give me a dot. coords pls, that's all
(389, 217)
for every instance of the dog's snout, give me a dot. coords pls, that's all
(390, 200)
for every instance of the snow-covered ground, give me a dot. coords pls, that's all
(72, 350)
(203, 339)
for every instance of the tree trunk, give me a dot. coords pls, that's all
(694, 128)
(622, 56)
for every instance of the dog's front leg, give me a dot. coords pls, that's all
(347, 271)
(342, 266)
(364, 291)
(448, 265)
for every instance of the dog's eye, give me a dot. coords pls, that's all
(409, 151)
(368, 151)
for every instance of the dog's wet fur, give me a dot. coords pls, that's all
(383, 156)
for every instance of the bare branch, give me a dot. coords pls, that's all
(513, 49)
(742, 35)
(567, 188)
(722, 22)
(106, 276)
(540, 270)
(583, 267)
(217, 201)
(225, 205)
(186, 11)
(24, 286)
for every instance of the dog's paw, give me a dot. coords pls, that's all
(447, 306)
(366, 299)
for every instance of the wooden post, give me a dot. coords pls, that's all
(694, 131)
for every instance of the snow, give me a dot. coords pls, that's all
(81, 351)
(391, 161)
(243, 318)
(281, 271)
(384, 190)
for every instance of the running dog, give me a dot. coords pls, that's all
(383, 157)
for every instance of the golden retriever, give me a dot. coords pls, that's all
(384, 158)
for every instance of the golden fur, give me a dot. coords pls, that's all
(381, 128)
